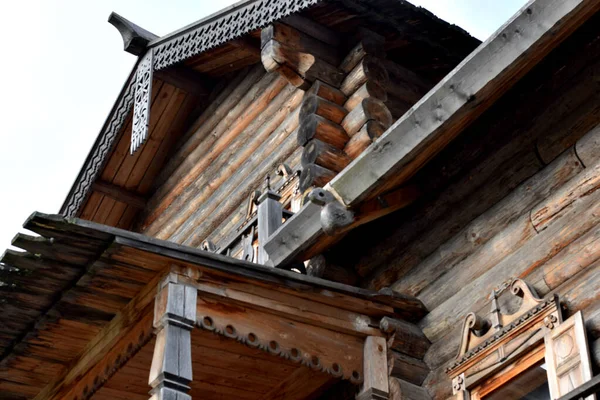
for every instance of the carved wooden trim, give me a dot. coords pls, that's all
(287, 340)
(481, 336)
(216, 30)
(142, 102)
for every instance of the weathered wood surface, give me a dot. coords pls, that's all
(461, 97)
(314, 175)
(368, 89)
(317, 127)
(300, 68)
(368, 69)
(322, 107)
(324, 155)
(327, 92)
(369, 43)
(300, 42)
(362, 139)
(488, 238)
(369, 109)
(472, 175)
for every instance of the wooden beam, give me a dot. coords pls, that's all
(461, 97)
(305, 237)
(185, 79)
(120, 194)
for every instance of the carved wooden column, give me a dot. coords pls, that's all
(375, 370)
(174, 318)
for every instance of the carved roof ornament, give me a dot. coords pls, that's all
(481, 336)
(135, 38)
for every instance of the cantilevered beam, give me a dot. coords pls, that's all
(135, 38)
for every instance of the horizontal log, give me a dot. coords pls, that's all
(299, 41)
(325, 155)
(203, 220)
(308, 66)
(588, 147)
(313, 175)
(367, 110)
(547, 211)
(408, 368)
(369, 69)
(120, 194)
(368, 89)
(241, 138)
(225, 107)
(317, 127)
(569, 262)
(574, 223)
(488, 238)
(476, 190)
(370, 43)
(363, 138)
(407, 338)
(327, 92)
(322, 107)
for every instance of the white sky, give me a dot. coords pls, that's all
(63, 66)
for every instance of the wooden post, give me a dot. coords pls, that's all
(270, 213)
(174, 318)
(375, 384)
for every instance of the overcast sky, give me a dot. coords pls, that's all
(63, 66)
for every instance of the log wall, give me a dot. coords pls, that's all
(307, 105)
(516, 196)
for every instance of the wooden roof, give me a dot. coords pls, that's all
(78, 279)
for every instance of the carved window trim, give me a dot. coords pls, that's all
(495, 350)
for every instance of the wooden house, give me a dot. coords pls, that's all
(326, 199)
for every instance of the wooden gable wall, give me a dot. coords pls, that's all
(515, 196)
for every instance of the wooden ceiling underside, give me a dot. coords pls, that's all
(222, 369)
(77, 281)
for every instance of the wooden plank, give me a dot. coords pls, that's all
(487, 73)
